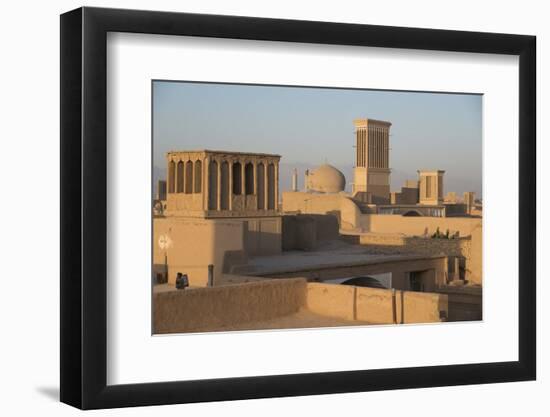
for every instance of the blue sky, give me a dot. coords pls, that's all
(309, 126)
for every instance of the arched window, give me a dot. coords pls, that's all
(179, 180)
(249, 179)
(198, 177)
(270, 187)
(213, 186)
(237, 178)
(171, 176)
(260, 180)
(224, 192)
(188, 177)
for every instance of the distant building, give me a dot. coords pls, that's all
(451, 198)
(161, 190)
(431, 187)
(469, 201)
(372, 159)
(407, 195)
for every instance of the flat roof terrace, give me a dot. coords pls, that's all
(336, 260)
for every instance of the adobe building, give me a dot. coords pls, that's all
(394, 222)
(469, 201)
(221, 209)
(217, 219)
(211, 184)
(431, 187)
(324, 186)
(218, 204)
(409, 193)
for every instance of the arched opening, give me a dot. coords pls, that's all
(260, 175)
(249, 179)
(188, 177)
(364, 281)
(171, 176)
(213, 186)
(411, 213)
(179, 180)
(237, 178)
(198, 177)
(270, 187)
(224, 192)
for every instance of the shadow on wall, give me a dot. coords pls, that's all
(465, 304)
(306, 231)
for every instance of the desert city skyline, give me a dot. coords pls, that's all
(449, 125)
(244, 241)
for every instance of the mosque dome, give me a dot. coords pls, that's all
(326, 179)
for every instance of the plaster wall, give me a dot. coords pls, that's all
(475, 269)
(202, 309)
(262, 235)
(417, 226)
(399, 243)
(208, 309)
(306, 231)
(341, 206)
(397, 234)
(375, 305)
(190, 245)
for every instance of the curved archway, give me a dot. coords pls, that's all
(249, 179)
(213, 185)
(271, 187)
(260, 175)
(179, 177)
(189, 177)
(198, 177)
(171, 176)
(237, 178)
(412, 213)
(224, 184)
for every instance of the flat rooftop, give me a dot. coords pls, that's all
(329, 255)
(222, 152)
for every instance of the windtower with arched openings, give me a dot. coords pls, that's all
(212, 184)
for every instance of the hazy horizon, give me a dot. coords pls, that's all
(311, 126)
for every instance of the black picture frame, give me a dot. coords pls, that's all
(84, 207)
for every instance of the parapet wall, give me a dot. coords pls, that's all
(225, 307)
(398, 243)
(375, 305)
(418, 226)
(469, 248)
(205, 309)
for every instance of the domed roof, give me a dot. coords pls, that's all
(326, 179)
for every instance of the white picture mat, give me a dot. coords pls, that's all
(135, 356)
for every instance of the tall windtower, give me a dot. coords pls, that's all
(372, 160)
